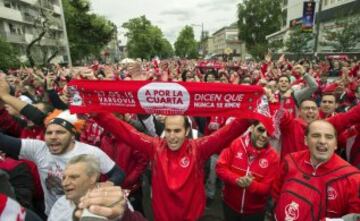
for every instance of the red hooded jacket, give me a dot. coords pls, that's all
(240, 159)
(304, 193)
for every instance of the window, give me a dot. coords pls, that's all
(12, 28)
(7, 3)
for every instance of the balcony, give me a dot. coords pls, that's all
(30, 2)
(10, 14)
(57, 9)
(46, 4)
(28, 17)
(13, 38)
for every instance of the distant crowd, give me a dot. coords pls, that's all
(55, 165)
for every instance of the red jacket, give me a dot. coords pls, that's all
(304, 193)
(177, 176)
(240, 159)
(287, 103)
(131, 161)
(350, 140)
(13, 128)
(293, 129)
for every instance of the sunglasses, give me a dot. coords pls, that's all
(261, 129)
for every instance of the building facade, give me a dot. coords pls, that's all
(326, 12)
(20, 24)
(225, 43)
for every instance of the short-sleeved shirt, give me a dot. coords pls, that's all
(51, 166)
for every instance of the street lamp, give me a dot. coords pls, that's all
(201, 36)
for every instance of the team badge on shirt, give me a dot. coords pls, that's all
(331, 193)
(239, 155)
(184, 162)
(263, 163)
(292, 211)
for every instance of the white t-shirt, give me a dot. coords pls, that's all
(62, 210)
(51, 166)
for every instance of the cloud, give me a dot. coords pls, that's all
(179, 13)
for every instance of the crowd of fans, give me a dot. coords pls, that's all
(47, 153)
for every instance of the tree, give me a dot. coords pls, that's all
(186, 45)
(88, 33)
(8, 56)
(345, 36)
(299, 41)
(145, 40)
(258, 18)
(36, 51)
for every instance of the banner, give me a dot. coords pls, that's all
(170, 98)
(308, 16)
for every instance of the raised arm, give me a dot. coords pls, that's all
(126, 133)
(307, 91)
(24, 108)
(221, 138)
(343, 121)
(11, 146)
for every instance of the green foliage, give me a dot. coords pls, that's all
(257, 19)
(145, 40)
(8, 56)
(298, 41)
(87, 33)
(345, 36)
(276, 45)
(186, 45)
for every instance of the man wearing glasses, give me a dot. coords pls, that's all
(248, 169)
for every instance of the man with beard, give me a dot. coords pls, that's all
(248, 168)
(177, 162)
(52, 155)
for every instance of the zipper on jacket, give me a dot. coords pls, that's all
(244, 192)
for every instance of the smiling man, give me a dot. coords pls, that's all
(177, 162)
(315, 184)
(293, 129)
(80, 176)
(52, 155)
(248, 169)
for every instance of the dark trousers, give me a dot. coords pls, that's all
(136, 199)
(232, 215)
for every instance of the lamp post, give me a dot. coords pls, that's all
(317, 27)
(201, 36)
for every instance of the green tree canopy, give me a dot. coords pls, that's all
(345, 36)
(258, 18)
(299, 41)
(146, 40)
(8, 56)
(186, 45)
(87, 33)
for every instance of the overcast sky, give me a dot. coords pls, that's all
(171, 15)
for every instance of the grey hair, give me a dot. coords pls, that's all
(92, 163)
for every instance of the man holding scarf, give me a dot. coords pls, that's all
(177, 163)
